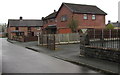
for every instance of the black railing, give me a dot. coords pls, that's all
(104, 38)
(103, 44)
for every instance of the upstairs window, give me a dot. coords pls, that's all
(64, 18)
(52, 20)
(93, 17)
(85, 16)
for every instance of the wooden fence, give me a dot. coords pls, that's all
(51, 40)
(103, 33)
(67, 38)
(59, 38)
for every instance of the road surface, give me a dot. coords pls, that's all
(0, 55)
(18, 59)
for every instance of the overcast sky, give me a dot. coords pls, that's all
(35, 9)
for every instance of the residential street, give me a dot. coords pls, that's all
(18, 59)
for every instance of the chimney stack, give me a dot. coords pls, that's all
(109, 21)
(21, 18)
(42, 18)
(54, 11)
(117, 21)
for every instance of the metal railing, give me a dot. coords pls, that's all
(104, 38)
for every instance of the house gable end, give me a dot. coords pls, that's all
(63, 4)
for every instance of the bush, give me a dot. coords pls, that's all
(109, 26)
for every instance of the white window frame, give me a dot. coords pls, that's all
(93, 17)
(85, 16)
(64, 18)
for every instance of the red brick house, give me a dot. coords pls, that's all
(23, 29)
(2, 34)
(87, 16)
(50, 23)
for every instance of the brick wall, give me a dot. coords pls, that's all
(49, 23)
(99, 22)
(25, 29)
(9, 32)
(35, 30)
(63, 11)
(101, 53)
(53, 22)
(64, 30)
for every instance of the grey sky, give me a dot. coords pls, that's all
(35, 9)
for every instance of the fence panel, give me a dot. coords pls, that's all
(67, 38)
(50, 40)
(47, 41)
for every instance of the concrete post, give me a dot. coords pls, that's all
(68, 38)
(38, 39)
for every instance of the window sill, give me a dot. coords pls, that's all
(64, 21)
(93, 19)
(85, 19)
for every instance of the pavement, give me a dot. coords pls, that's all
(70, 53)
(0, 56)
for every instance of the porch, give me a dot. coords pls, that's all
(50, 29)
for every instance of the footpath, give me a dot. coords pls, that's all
(71, 53)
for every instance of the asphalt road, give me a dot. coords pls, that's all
(18, 59)
(0, 55)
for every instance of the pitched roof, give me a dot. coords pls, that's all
(116, 24)
(84, 9)
(50, 16)
(24, 22)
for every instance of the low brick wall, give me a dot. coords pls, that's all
(26, 39)
(102, 53)
(31, 38)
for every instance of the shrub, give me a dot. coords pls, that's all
(109, 26)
